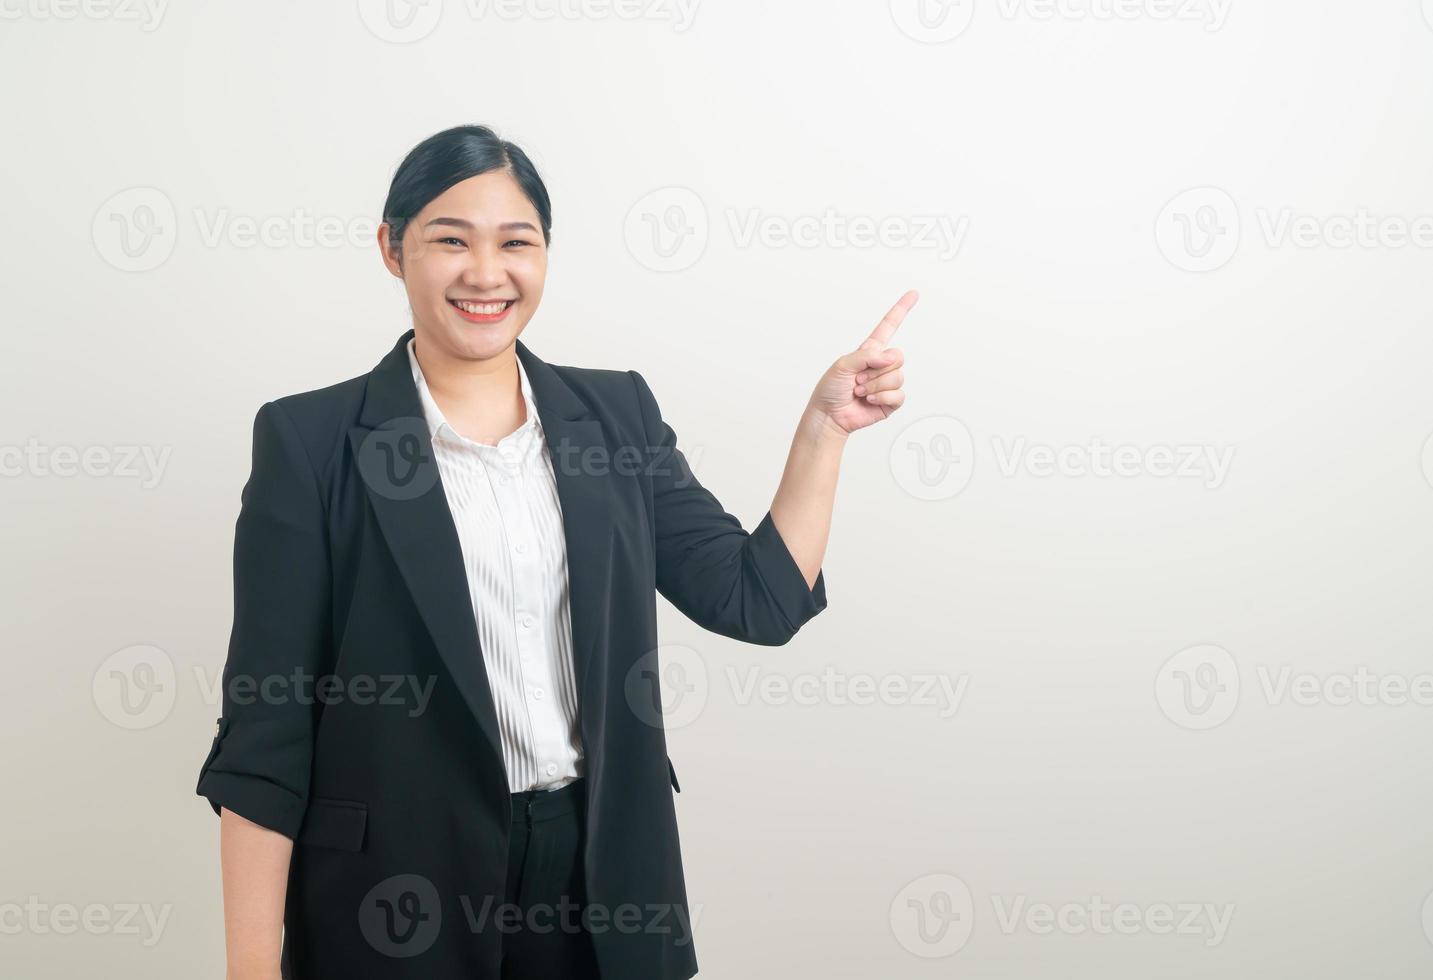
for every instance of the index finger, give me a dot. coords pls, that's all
(886, 329)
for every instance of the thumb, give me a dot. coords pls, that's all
(870, 354)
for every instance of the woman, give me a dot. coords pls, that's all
(437, 755)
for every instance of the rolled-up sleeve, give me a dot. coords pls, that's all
(260, 759)
(738, 584)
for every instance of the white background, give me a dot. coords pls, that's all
(1090, 298)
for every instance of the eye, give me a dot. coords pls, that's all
(456, 241)
(518, 241)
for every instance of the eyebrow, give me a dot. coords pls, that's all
(460, 223)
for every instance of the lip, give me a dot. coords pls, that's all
(479, 317)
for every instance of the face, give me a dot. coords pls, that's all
(478, 243)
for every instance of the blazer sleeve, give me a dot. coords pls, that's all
(259, 763)
(746, 586)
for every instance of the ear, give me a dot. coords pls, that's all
(392, 258)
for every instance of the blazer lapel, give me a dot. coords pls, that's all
(394, 453)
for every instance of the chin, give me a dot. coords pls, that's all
(479, 341)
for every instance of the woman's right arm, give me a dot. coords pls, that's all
(256, 869)
(258, 771)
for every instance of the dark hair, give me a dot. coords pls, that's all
(447, 158)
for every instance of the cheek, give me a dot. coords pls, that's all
(531, 274)
(431, 277)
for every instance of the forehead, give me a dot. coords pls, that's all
(487, 199)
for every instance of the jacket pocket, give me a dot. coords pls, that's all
(339, 824)
(673, 771)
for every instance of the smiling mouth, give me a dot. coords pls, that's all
(482, 309)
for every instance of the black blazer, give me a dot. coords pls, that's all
(350, 597)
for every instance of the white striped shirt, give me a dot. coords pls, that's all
(504, 503)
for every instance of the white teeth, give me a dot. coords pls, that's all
(483, 309)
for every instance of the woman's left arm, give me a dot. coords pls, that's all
(860, 389)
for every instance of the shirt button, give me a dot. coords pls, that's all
(520, 548)
(551, 769)
(526, 622)
(537, 694)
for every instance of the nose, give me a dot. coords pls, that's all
(485, 270)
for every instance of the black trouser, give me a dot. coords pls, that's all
(544, 936)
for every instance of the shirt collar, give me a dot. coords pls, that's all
(433, 415)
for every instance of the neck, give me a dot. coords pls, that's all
(480, 397)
